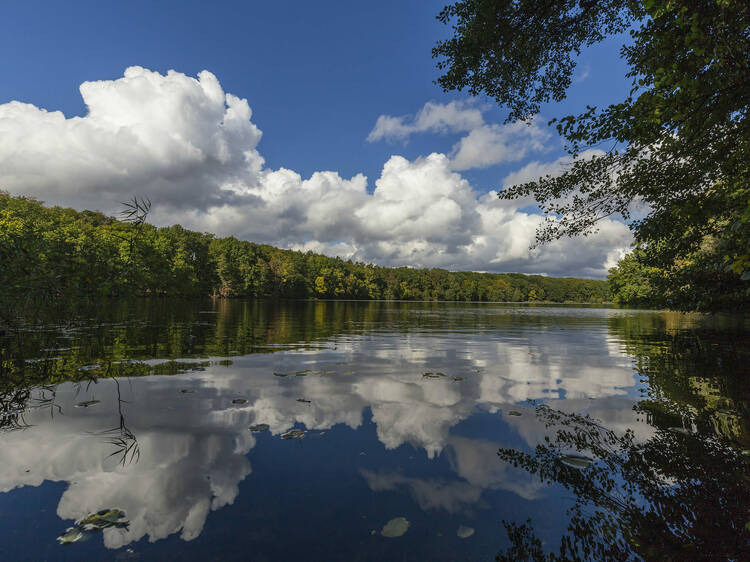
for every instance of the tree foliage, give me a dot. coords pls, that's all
(631, 282)
(50, 253)
(671, 497)
(678, 144)
(675, 492)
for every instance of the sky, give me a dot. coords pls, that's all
(313, 126)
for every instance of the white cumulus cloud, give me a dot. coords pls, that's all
(193, 149)
(455, 116)
(494, 144)
(484, 145)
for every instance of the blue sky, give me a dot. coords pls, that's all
(317, 77)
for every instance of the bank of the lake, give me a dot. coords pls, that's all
(49, 252)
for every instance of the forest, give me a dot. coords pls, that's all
(676, 146)
(48, 252)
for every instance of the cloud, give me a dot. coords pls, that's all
(456, 116)
(582, 73)
(179, 138)
(485, 144)
(493, 144)
(429, 493)
(535, 170)
(193, 149)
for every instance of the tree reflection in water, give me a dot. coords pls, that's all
(681, 494)
(675, 489)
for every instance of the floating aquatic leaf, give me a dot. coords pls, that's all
(103, 519)
(90, 367)
(280, 375)
(71, 535)
(680, 430)
(86, 403)
(458, 379)
(464, 532)
(239, 401)
(293, 434)
(433, 375)
(303, 400)
(577, 461)
(187, 391)
(395, 527)
(514, 413)
(259, 427)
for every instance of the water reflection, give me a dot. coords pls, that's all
(676, 496)
(173, 392)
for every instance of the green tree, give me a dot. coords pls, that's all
(50, 254)
(632, 282)
(678, 143)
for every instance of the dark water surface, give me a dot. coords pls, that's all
(443, 414)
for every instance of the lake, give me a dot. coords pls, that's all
(245, 430)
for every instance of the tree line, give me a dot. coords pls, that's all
(47, 252)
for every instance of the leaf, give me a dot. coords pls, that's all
(577, 461)
(395, 527)
(293, 434)
(464, 532)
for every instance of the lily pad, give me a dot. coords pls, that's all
(259, 427)
(280, 375)
(680, 430)
(71, 535)
(86, 403)
(239, 401)
(458, 379)
(514, 413)
(187, 391)
(464, 532)
(293, 434)
(395, 527)
(103, 519)
(433, 375)
(303, 400)
(577, 461)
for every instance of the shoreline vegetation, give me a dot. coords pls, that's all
(53, 252)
